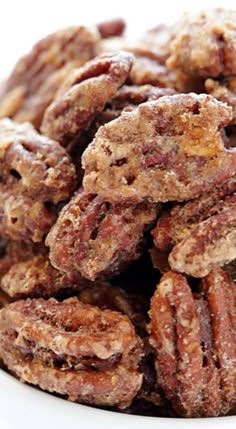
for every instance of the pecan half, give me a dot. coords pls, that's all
(195, 345)
(38, 75)
(178, 222)
(36, 174)
(84, 94)
(156, 151)
(96, 238)
(73, 349)
(210, 244)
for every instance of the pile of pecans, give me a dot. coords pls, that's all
(118, 217)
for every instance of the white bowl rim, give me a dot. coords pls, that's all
(25, 407)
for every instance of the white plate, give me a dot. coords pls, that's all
(24, 407)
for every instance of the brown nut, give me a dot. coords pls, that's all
(65, 347)
(177, 223)
(84, 95)
(96, 238)
(37, 76)
(212, 243)
(36, 174)
(204, 44)
(194, 342)
(156, 151)
(112, 28)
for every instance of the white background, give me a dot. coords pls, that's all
(23, 22)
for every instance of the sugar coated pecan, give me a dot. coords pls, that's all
(84, 94)
(36, 277)
(194, 341)
(177, 223)
(156, 151)
(73, 349)
(36, 174)
(204, 44)
(211, 243)
(37, 76)
(96, 238)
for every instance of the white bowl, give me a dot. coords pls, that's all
(24, 407)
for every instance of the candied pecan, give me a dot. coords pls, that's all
(224, 90)
(84, 94)
(114, 27)
(221, 297)
(37, 76)
(36, 277)
(175, 336)
(211, 243)
(71, 348)
(195, 345)
(107, 296)
(204, 44)
(156, 151)
(36, 174)
(96, 238)
(177, 223)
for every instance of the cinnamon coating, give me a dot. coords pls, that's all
(97, 238)
(73, 349)
(156, 151)
(194, 341)
(36, 174)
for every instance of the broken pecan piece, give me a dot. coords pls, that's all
(73, 349)
(84, 94)
(36, 174)
(38, 75)
(195, 345)
(96, 238)
(156, 151)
